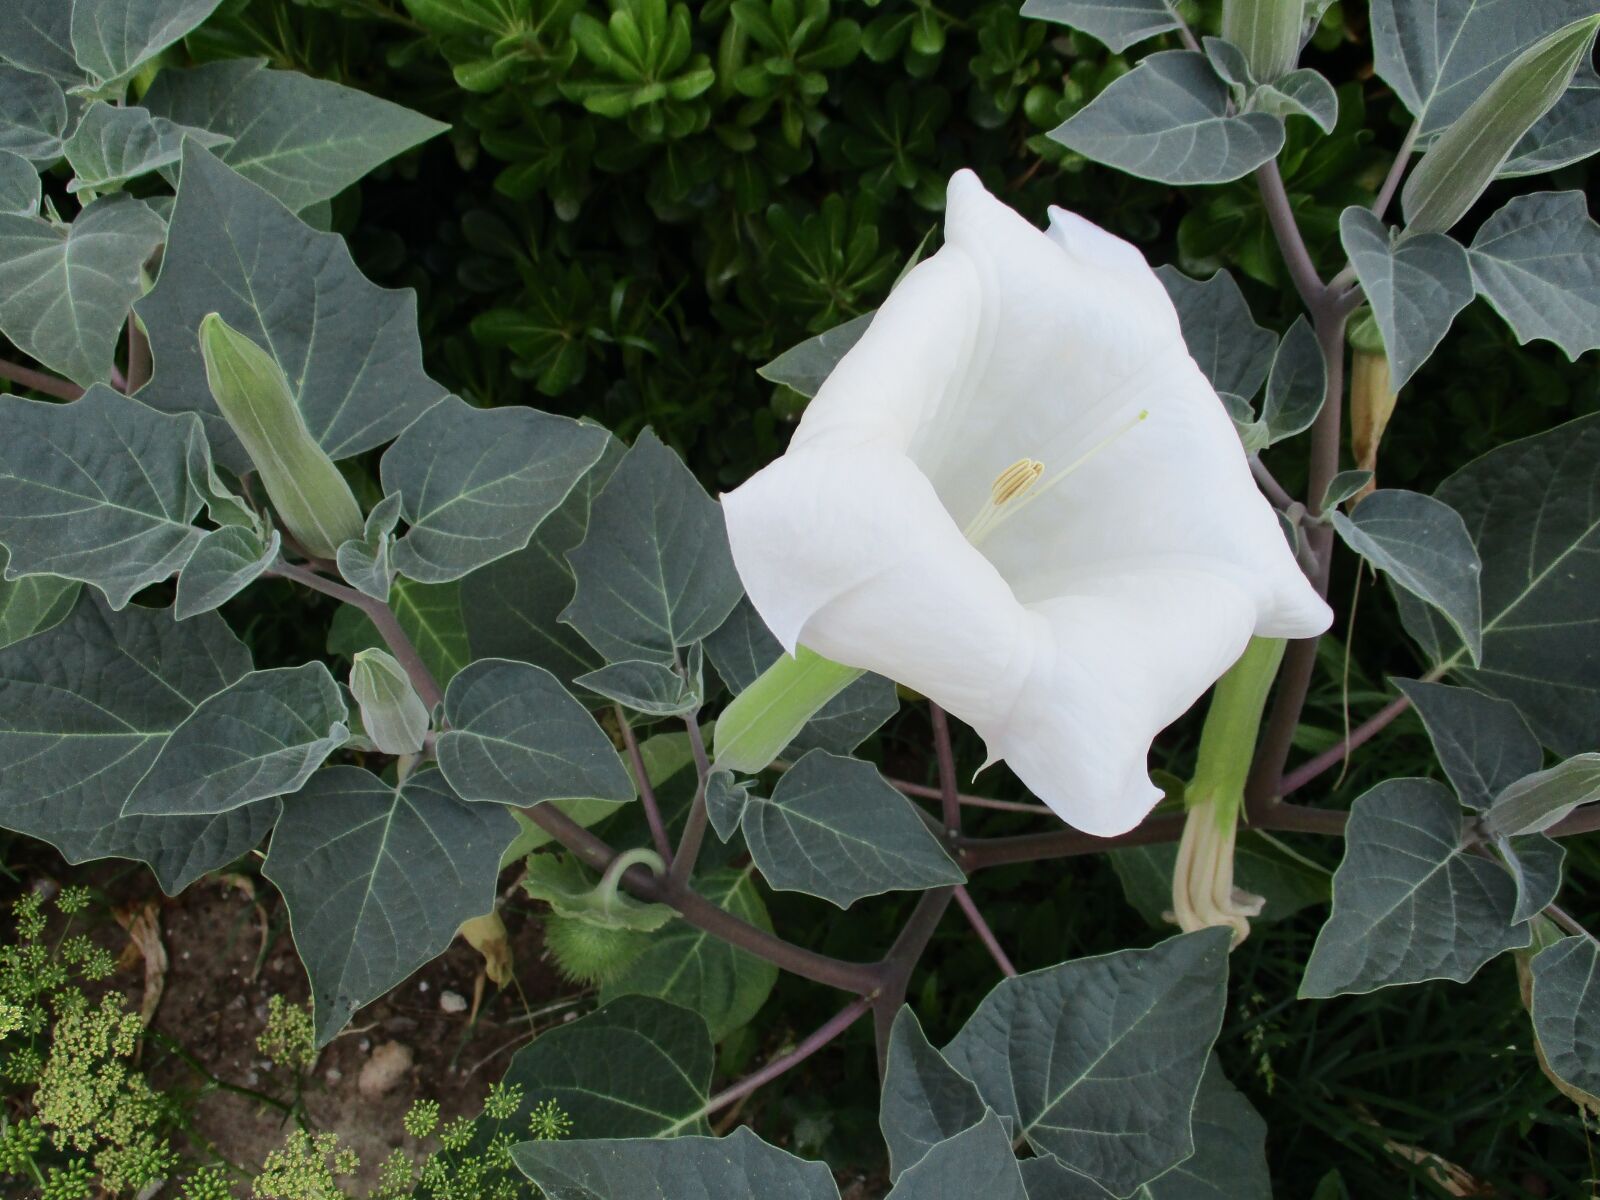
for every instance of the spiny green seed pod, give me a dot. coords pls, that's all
(393, 715)
(1464, 159)
(312, 499)
(589, 953)
(1267, 32)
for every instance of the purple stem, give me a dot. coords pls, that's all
(985, 934)
(944, 751)
(846, 1017)
(647, 794)
(694, 826)
(39, 381)
(1334, 755)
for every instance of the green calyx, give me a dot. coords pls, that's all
(767, 715)
(1228, 738)
(311, 497)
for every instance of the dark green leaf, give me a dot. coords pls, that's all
(1409, 902)
(261, 736)
(1098, 1061)
(378, 879)
(302, 139)
(1117, 23)
(805, 367)
(654, 572)
(97, 490)
(1531, 507)
(80, 723)
(1537, 261)
(1297, 385)
(475, 483)
(348, 348)
(518, 737)
(1535, 863)
(1483, 744)
(1416, 287)
(1422, 545)
(65, 290)
(648, 687)
(690, 1168)
(1566, 1011)
(835, 829)
(224, 563)
(1169, 120)
(925, 1100)
(1234, 352)
(634, 1068)
(112, 144)
(32, 604)
(975, 1162)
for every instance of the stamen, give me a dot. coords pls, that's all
(1014, 488)
(1015, 479)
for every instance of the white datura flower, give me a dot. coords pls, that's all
(1018, 495)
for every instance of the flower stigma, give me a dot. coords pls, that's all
(1014, 489)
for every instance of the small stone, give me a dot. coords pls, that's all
(452, 1002)
(423, 986)
(333, 1075)
(383, 1072)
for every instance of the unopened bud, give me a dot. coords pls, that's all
(1267, 32)
(312, 499)
(393, 715)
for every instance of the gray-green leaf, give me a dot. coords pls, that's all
(1566, 1011)
(97, 490)
(975, 1162)
(80, 723)
(1117, 23)
(37, 35)
(1568, 133)
(1168, 120)
(1423, 546)
(1416, 287)
(1533, 510)
(690, 1168)
(1297, 385)
(19, 185)
(304, 140)
(688, 966)
(1465, 157)
(835, 829)
(513, 606)
(1483, 743)
(925, 1100)
(367, 562)
(111, 39)
(1098, 1061)
(32, 604)
(225, 562)
(1535, 864)
(33, 115)
(654, 572)
(518, 737)
(807, 366)
(113, 144)
(378, 879)
(475, 483)
(65, 290)
(1440, 55)
(1409, 902)
(261, 736)
(1538, 801)
(648, 687)
(1233, 351)
(1537, 261)
(1304, 93)
(1229, 1160)
(636, 1067)
(348, 348)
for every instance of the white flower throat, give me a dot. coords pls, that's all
(1014, 488)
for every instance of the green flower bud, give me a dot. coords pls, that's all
(1464, 159)
(393, 715)
(312, 499)
(1267, 32)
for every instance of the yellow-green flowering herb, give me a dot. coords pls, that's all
(289, 1038)
(313, 500)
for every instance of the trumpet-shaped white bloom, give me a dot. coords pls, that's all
(1018, 495)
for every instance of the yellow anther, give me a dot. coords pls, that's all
(1015, 479)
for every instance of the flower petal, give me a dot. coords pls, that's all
(1120, 659)
(848, 551)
